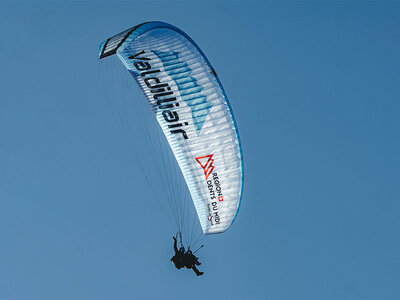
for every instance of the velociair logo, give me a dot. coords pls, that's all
(206, 162)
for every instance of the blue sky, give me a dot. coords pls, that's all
(315, 91)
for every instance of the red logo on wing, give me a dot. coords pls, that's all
(206, 162)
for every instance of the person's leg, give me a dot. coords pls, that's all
(197, 271)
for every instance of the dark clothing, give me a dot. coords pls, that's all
(178, 257)
(185, 259)
(198, 273)
(189, 260)
(177, 261)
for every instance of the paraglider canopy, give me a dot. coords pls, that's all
(193, 110)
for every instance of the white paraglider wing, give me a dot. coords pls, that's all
(193, 111)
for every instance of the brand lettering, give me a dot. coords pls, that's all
(161, 93)
(213, 186)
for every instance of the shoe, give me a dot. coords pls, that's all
(200, 273)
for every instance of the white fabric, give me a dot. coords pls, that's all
(217, 136)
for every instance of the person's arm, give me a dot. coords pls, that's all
(175, 245)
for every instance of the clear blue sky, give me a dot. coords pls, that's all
(315, 90)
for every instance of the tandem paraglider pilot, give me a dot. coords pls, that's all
(185, 259)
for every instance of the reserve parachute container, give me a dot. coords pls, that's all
(192, 108)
